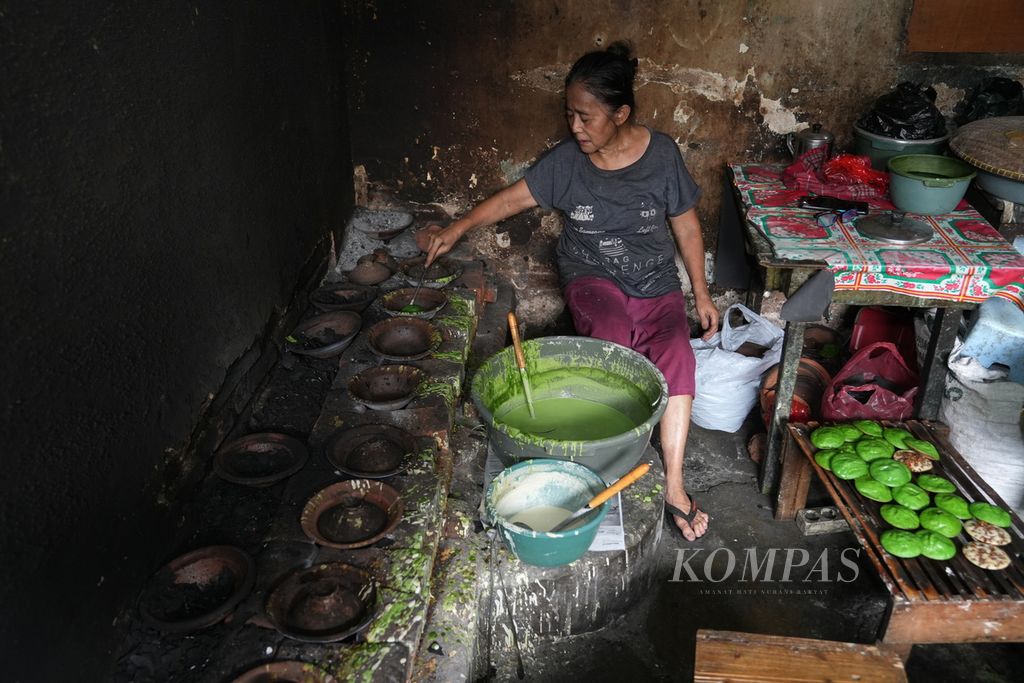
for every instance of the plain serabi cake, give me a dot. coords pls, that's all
(986, 556)
(984, 532)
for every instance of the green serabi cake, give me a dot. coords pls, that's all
(870, 487)
(897, 437)
(847, 466)
(871, 448)
(940, 522)
(869, 427)
(849, 431)
(935, 545)
(935, 483)
(828, 437)
(890, 472)
(911, 496)
(953, 504)
(992, 514)
(899, 516)
(925, 447)
(901, 543)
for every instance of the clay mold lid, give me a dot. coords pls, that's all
(369, 273)
(429, 301)
(343, 297)
(440, 273)
(323, 604)
(197, 589)
(372, 451)
(260, 459)
(382, 224)
(381, 256)
(286, 672)
(386, 387)
(403, 338)
(325, 335)
(351, 514)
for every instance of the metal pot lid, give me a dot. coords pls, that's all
(815, 133)
(883, 228)
(995, 145)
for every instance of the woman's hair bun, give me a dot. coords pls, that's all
(607, 74)
(621, 48)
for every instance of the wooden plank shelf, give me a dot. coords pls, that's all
(933, 601)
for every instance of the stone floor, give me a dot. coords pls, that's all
(832, 593)
(655, 640)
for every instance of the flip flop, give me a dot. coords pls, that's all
(673, 511)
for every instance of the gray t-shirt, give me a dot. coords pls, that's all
(616, 222)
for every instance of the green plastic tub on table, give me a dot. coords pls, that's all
(928, 184)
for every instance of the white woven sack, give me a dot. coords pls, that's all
(984, 419)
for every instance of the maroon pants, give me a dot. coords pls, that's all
(656, 327)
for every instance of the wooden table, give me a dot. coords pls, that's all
(930, 601)
(964, 257)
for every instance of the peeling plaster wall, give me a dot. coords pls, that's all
(168, 171)
(451, 100)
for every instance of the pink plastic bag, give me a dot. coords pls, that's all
(876, 384)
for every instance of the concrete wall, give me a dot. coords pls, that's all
(449, 100)
(168, 172)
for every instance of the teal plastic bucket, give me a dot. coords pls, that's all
(534, 485)
(579, 368)
(880, 148)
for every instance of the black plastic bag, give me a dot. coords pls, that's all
(907, 113)
(995, 96)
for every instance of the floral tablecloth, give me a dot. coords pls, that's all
(966, 260)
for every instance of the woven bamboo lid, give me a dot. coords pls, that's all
(995, 145)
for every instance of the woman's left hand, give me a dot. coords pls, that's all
(707, 314)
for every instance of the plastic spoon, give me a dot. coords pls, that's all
(513, 325)
(624, 481)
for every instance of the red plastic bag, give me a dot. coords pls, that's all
(807, 175)
(853, 169)
(876, 384)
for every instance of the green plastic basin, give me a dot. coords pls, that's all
(533, 483)
(579, 368)
(928, 184)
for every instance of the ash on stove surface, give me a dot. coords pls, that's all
(170, 601)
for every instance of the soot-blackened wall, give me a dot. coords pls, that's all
(451, 100)
(168, 172)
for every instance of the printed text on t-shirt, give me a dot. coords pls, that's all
(583, 213)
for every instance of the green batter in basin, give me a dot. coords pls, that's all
(596, 403)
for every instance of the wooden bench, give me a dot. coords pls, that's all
(733, 656)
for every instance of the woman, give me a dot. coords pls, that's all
(620, 186)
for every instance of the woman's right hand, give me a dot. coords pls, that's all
(437, 241)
